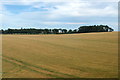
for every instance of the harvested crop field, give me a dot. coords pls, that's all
(88, 55)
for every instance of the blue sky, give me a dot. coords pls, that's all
(58, 14)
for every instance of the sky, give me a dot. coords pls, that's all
(68, 14)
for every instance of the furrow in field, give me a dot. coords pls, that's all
(37, 69)
(30, 68)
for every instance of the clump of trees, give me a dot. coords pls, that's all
(95, 28)
(82, 29)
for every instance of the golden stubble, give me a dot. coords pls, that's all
(69, 55)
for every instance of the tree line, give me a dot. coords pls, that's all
(81, 29)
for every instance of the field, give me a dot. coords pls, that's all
(88, 55)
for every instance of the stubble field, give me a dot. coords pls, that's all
(87, 55)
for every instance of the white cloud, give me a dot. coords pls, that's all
(74, 23)
(30, 1)
(63, 14)
(34, 2)
(83, 9)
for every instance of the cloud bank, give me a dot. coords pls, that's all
(39, 13)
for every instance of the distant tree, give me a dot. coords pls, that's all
(64, 31)
(70, 31)
(94, 28)
(55, 31)
(82, 29)
(75, 31)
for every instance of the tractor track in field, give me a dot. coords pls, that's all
(37, 69)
